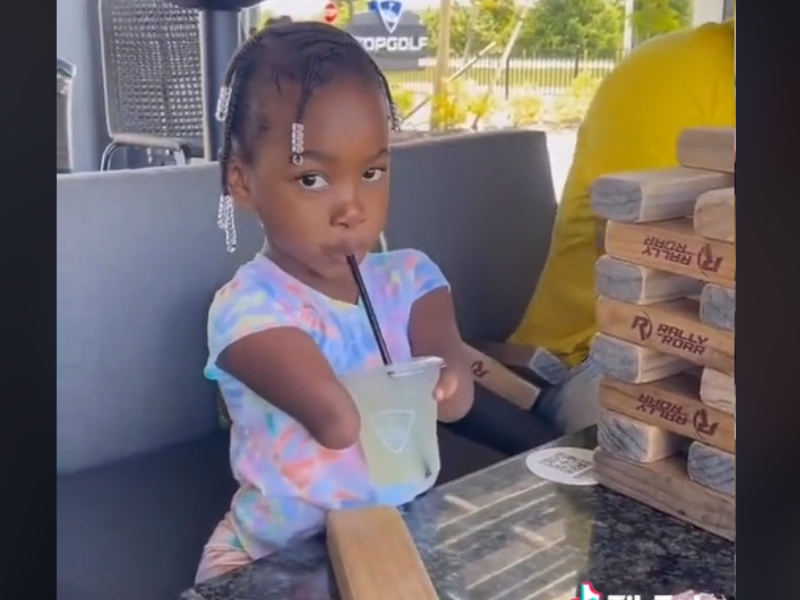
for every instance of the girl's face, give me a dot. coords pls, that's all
(335, 203)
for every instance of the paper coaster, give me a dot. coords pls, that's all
(568, 466)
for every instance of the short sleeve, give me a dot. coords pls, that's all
(424, 275)
(242, 308)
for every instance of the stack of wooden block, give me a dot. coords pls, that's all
(666, 311)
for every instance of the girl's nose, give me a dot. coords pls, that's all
(350, 213)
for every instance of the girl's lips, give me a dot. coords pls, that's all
(342, 251)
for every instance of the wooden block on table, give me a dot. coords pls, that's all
(500, 380)
(632, 363)
(672, 404)
(637, 284)
(718, 306)
(665, 486)
(657, 195)
(373, 556)
(673, 246)
(709, 148)
(712, 468)
(539, 361)
(672, 327)
(718, 390)
(634, 440)
(715, 215)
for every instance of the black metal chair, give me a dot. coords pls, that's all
(220, 35)
(152, 71)
(65, 72)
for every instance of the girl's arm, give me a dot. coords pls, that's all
(284, 365)
(433, 331)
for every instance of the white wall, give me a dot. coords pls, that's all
(730, 8)
(78, 41)
(706, 11)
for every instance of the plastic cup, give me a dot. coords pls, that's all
(398, 420)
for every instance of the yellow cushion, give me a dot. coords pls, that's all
(675, 81)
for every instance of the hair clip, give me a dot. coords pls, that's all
(223, 102)
(297, 143)
(226, 221)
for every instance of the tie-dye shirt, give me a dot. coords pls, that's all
(287, 480)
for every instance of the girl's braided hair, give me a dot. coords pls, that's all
(309, 53)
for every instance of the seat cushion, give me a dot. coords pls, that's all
(461, 456)
(134, 530)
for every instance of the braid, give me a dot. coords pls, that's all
(308, 53)
(312, 77)
(234, 91)
(394, 115)
(229, 101)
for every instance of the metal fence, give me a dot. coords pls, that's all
(530, 75)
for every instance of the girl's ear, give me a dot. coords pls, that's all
(238, 182)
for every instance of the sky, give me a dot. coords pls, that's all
(307, 8)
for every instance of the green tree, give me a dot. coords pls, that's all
(474, 25)
(348, 8)
(655, 17)
(267, 18)
(264, 16)
(572, 28)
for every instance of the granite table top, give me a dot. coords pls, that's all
(504, 534)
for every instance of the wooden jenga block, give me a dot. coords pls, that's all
(658, 195)
(500, 380)
(718, 390)
(718, 307)
(665, 486)
(715, 215)
(373, 556)
(672, 327)
(672, 405)
(635, 440)
(632, 363)
(673, 246)
(637, 284)
(712, 468)
(708, 148)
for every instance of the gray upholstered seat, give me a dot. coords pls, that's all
(142, 472)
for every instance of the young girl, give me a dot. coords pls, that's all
(306, 146)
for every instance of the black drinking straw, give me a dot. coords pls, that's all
(376, 328)
(373, 319)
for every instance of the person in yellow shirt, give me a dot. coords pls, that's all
(678, 80)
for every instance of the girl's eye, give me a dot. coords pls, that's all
(313, 182)
(373, 174)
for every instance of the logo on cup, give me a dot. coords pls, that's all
(393, 428)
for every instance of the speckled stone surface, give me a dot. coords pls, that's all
(504, 534)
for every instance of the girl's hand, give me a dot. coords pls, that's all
(433, 331)
(446, 386)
